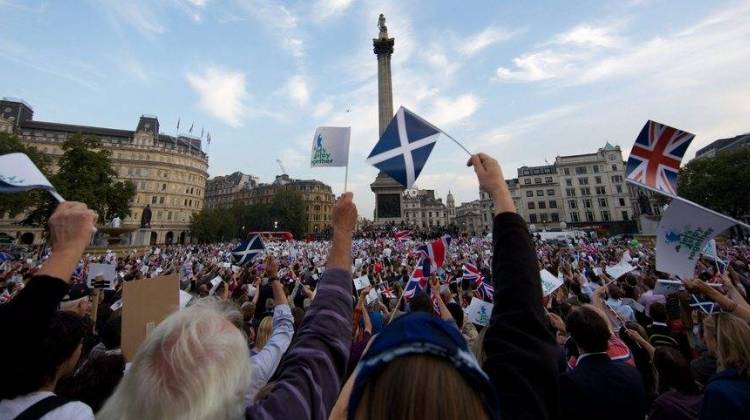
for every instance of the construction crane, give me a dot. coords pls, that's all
(281, 165)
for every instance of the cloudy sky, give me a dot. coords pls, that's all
(521, 81)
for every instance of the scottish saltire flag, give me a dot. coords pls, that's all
(656, 156)
(485, 291)
(18, 173)
(472, 273)
(403, 236)
(330, 146)
(417, 282)
(404, 147)
(435, 251)
(682, 235)
(247, 250)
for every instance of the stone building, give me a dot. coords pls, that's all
(469, 218)
(318, 198)
(450, 208)
(539, 198)
(221, 190)
(421, 208)
(169, 173)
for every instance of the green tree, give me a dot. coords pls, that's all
(19, 202)
(213, 225)
(288, 208)
(719, 183)
(85, 174)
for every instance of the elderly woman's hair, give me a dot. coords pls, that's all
(732, 337)
(194, 365)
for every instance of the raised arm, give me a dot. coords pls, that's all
(311, 373)
(521, 351)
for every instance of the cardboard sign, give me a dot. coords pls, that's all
(106, 270)
(361, 282)
(550, 283)
(479, 312)
(617, 271)
(185, 298)
(145, 304)
(667, 287)
(372, 296)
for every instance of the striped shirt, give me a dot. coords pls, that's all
(312, 371)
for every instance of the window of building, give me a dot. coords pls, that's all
(618, 188)
(555, 217)
(161, 200)
(572, 204)
(526, 172)
(185, 204)
(614, 167)
(153, 200)
(430, 215)
(617, 178)
(566, 171)
(580, 170)
(605, 215)
(602, 202)
(531, 205)
(544, 218)
(569, 182)
(550, 192)
(529, 193)
(589, 216)
(539, 193)
(625, 215)
(570, 192)
(422, 214)
(601, 191)
(163, 187)
(597, 180)
(532, 218)
(553, 204)
(169, 215)
(542, 205)
(587, 203)
(596, 169)
(622, 202)
(537, 180)
(574, 217)
(611, 157)
(583, 181)
(585, 191)
(548, 179)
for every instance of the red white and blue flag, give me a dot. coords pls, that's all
(435, 251)
(656, 156)
(417, 282)
(403, 235)
(472, 273)
(388, 292)
(485, 291)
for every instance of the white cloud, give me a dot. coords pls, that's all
(323, 109)
(324, 9)
(446, 111)
(221, 93)
(591, 36)
(136, 13)
(277, 19)
(542, 65)
(298, 90)
(482, 40)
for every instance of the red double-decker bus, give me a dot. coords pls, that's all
(273, 236)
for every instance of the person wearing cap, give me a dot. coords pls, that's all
(420, 366)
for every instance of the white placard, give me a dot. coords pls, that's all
(361, 282)
(479, 312)
(372, 296)
(667, 287)
(106, 270)
(550, 283)
(185, 298)
(617, 271)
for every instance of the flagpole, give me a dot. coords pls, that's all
(346, 174)
(57, 196)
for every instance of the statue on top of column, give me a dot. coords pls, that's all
(382, 27)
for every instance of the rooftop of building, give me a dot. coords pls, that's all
(742, 140)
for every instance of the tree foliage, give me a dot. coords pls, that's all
(287, 209)
(719, 183)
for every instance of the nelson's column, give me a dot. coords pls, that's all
(387, 190)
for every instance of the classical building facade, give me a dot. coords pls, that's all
(318, 198)
(221, 190)
(469, 218)
(421, 208)
(169, 173)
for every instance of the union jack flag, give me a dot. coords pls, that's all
(388, 292)
(485, 291)
(403, 236)
(417, 282)
(656, 156)
(435, 251)
(472, 273)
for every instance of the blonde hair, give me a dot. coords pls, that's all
(732, 337)
(407, 387)
(194, 365)
(264, 332)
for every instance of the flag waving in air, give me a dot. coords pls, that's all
(472, 273)
(404, 147)
(18, 173)
(247, 250)
(403, 236)
(435, 251)
(655, 159)
(417, 282)
(330, 146)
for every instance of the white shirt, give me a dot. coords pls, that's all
(74, 410)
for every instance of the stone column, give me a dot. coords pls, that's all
(383, 48)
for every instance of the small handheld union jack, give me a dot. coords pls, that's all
(655, 159)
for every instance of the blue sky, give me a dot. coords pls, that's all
(523, 81)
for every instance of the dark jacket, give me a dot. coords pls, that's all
(726, 397)
(521, 351)
(600, 388)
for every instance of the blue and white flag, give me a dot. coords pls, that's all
(18, 173)
(247, 250)
(404, 147)
(330, 147)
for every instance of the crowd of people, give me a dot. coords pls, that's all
(291, 335)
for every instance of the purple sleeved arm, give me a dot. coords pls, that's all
(311, 373)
